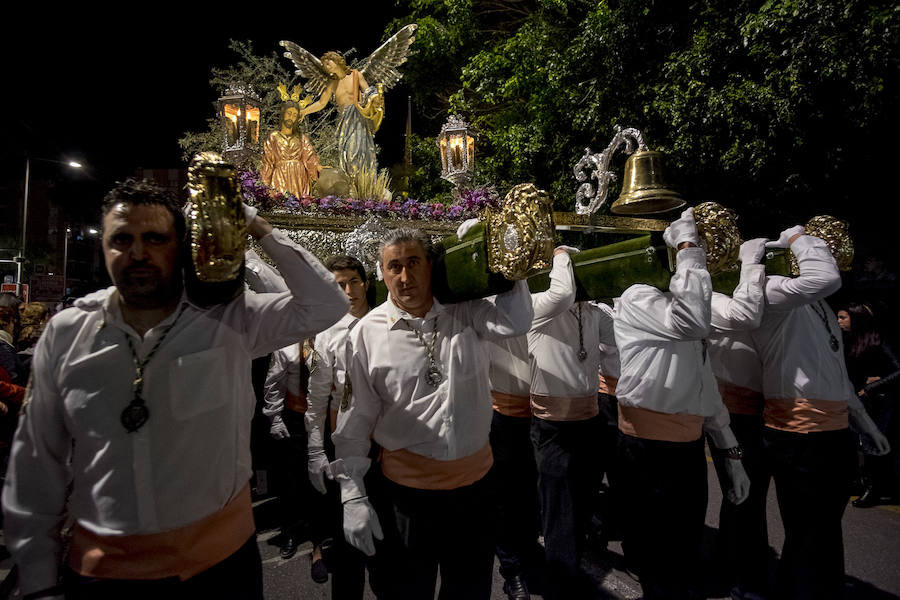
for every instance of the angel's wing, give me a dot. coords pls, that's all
(308, 66)
(381, 66)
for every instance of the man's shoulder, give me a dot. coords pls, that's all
(374, 320)
(92, 302)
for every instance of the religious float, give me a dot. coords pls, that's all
(347, 208)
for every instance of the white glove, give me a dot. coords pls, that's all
(752, 251)
(739, 487)
(783, 240)
(569, 249)
(361, 525)
(873, 441)
(318, 467)
(249, 212)
(279, 430)
(682, 230)
(464, 228)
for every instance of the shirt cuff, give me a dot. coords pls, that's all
(349, 473)
(691, 258)
(722, 438)
(753, 272)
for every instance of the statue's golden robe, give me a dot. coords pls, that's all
(290, 163)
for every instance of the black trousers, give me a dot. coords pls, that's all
(238, 577)
(742, 543)
(430, 530)
(301, 505)
(518, 511)
(812, 473)
(664, 493)
(565, 453)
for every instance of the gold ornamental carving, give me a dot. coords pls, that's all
(519, 236)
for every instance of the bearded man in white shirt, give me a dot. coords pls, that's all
(419, 376)
(810, 407)
(143, 401)
(667, 398)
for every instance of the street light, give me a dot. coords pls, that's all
(20, 258)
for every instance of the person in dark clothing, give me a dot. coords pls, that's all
(874, 369)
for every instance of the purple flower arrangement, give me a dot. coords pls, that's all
(470, 202)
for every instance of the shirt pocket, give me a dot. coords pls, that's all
(198, 383)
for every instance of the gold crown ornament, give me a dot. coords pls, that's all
(836, 235)
(719, 236)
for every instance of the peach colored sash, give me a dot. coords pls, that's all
(740, 400)
(296, 403)
(511, 405)
(607, 384)
(182, 552)
(652, 425)
(803, 415)
(559, 408)
(417, 471)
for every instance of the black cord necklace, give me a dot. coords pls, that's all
(582, 353)
(832, 341)
(136, 413)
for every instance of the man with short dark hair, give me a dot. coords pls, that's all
(420, 389)
(143, 401)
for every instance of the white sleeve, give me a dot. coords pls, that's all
(683, 313)
(313, 304)
(321, 382)
(260, 277)
(560, 297)
(356, 422)
(506, 315)
(743, 310)
(819, 276)
(718, 426)
(35, 492)
(275, 388)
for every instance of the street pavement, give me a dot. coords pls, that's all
(871, 540)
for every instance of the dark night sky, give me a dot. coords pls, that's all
(116, 90)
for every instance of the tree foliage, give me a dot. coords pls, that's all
(782, 104)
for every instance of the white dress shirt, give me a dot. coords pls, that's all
(327, 372)
(731, 351)
(553, 341)
(193, 454)
(610, 365)
(662, 347)
(792, 340)
(283, 377)
(393, 403)
(510, 361)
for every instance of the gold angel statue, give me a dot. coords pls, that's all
(360, 106)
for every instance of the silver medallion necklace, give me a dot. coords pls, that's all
(136, 413)
(582, 353)
(434, 377)
(832, 341)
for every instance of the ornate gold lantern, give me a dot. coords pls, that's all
(457, 144)
(239, 111)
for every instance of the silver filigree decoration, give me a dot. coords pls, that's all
(511, 238)
(362, 243)
(596, 197)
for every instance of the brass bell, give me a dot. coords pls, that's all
(644, 191)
